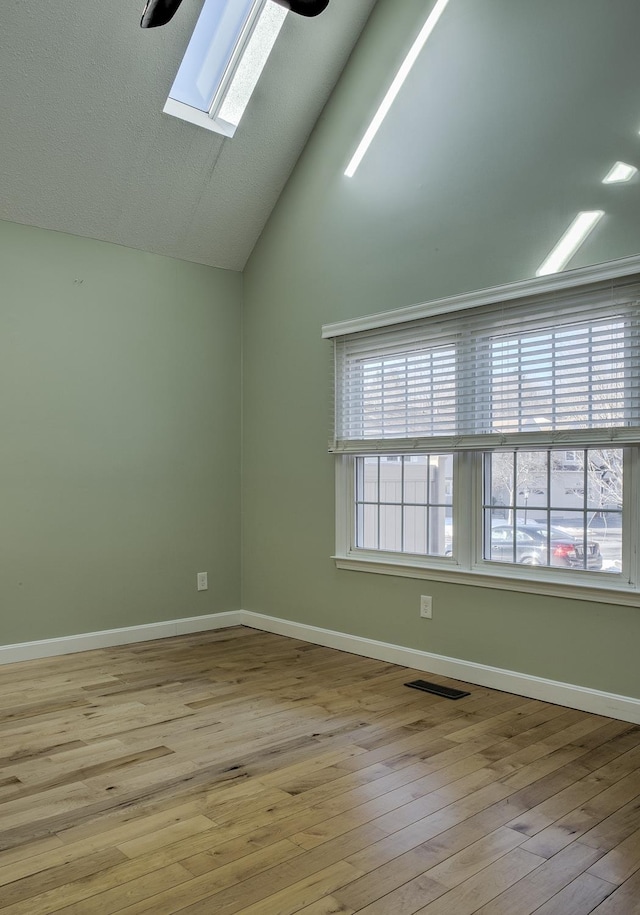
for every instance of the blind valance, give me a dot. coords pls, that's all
(560, 368)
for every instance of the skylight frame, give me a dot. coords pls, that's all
(211, 119)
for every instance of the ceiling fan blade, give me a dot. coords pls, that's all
(158, 12)
(305, 7)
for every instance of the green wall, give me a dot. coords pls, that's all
(119, 436)
(335, 249)
(121, 372)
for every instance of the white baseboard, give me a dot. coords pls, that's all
(625, 708)
(69, 644)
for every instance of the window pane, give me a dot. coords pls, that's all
(391, 479)
(441, 479)
(368, 535)
(391, 527)
(415, 529)
(516, 484)
(416, 479)
(531, 484)
(572, 543)
(554, 508)
(500, 487)
(604, 479)
(369, 472)
(607, 530)
(500, 543)
(567, 478)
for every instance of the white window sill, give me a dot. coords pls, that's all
(593, 590)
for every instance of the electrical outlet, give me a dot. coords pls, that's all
(426, 607)
(203, 584)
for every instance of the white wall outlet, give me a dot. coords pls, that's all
(426, 607)
(203, 584)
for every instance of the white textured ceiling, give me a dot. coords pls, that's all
(86, 149)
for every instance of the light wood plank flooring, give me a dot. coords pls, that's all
(243, 772)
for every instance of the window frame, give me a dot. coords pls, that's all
(467, 565)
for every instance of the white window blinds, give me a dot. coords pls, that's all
(560, 368)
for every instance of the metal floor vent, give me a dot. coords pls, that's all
(445, 691)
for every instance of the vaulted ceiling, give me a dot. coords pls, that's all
(504, 130)
(86, 149)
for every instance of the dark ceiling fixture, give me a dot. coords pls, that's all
(159, 12)
(305, 7)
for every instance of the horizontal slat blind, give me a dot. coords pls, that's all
(557, 369)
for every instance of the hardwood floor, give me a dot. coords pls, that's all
(243, 772)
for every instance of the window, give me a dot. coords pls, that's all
(495, 436)
(228, 50)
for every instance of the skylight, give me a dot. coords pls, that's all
(229, 47)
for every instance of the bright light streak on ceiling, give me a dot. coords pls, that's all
(395, 87)
(573, 238)
(620, 172)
